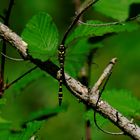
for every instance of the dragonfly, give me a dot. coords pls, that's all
(74, 59)
(62, 48)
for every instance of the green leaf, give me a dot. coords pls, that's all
(31, 129)
(42, 36)
(88, 116)
(117, 9)
(4, 124)
(45, 113)
(2, 121)
(34, 123)
(77, 56)
(124, 101)
(2, 102)
(25, 134)
(87, 31)
(28, 132)
(34, 75)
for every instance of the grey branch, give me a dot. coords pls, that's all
(81, 92)
(14, 39)
(104, 75)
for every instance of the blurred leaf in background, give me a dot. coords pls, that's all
(115, 9)
(36, 94)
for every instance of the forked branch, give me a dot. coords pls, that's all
(77, 89)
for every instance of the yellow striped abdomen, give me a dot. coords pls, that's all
(61, 57)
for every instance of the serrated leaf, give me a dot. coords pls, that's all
(28, 132)
(115, 9)
(77, 56)
(42, 36)
(124, 101)
(87, 31)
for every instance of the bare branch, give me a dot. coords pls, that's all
(107, 111)
(14, 39)
(104, 75)
(78, 90)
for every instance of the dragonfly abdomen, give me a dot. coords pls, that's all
(61, 57)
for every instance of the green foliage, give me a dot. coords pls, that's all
(77, 54)
(3, 120)
(88, 116)
(123, 101)
(24, 134)
(4, 124)
(42, 36)
(81, 49)
(31, 129)
(86, 30)
(26, 80)
(34, 123)
(44, 114)
(115, 9)
(2, 102)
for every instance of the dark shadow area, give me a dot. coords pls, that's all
(134, 10)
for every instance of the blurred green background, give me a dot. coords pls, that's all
(42, 92)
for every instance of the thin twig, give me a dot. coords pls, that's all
(8, 12)
(77, 4)
(11, 58)
(76, 20)
(110, 23)
(104, 75)
(6, 22)
(19, 78)
(100, 24)
(96, 106)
